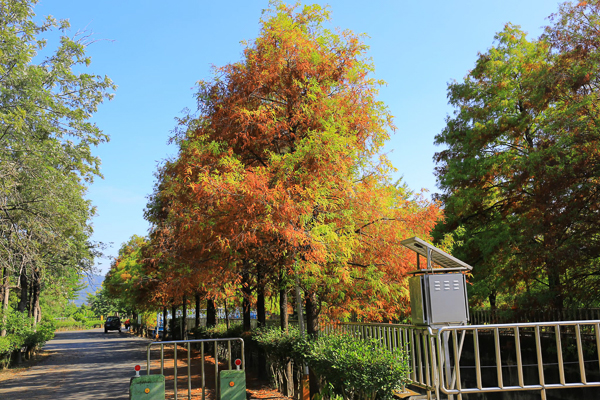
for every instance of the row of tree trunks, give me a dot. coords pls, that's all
(211, 317)
(30, 295)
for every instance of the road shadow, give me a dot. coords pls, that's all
(86, 365)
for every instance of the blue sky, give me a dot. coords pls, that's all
(155, 51)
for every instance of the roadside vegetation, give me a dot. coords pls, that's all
(47, 99)
(281, 195)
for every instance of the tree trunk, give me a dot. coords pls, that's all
(312, 315)
(226, 314)
(283, 307)
(197, 321)
(261, 319)
(164, 323)
(492, 298)
(22, 306)
(260, 299)
(554, 286)
(184, 320)
(211, 313)
(36, 289)
(5, 295)
(288, 379)
(30, 301)
(173, 326)
(246, 292)
(312, 326)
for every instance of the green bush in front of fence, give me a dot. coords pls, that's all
(69, 325)
(73, 325)
(93, 323)
(280, 347)
(6, 348)
(278, 344)
(350, 367)
(357, 369)
(22, 335)
(218, 331)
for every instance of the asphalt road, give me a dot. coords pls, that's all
(86, 365)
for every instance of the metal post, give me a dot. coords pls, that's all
(580, 354)
(243, 356)
(148, 359)
(446, 344)
(175, 369)
(538, 349)
(597, 329)
(457, 354)
(216, 370)
(428, 258)
(202, 370)
(561, 365)
(519, 357)
(229, 353)
(477, 358)
(498, 358)
(189, 372)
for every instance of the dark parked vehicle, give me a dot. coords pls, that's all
(112, 324)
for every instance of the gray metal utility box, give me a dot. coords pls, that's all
(438, 292)
(438, 299)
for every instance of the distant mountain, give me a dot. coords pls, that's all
(93, 283)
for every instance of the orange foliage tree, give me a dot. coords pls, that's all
(279, 178)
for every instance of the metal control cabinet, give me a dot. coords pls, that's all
(438, 299)
(232, 385)
(147, 387)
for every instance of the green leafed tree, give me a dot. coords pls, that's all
(520, 170)
(46, 160)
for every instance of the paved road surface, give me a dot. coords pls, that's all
(87, 365)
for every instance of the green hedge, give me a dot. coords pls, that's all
(218, 332)
(72, 325)
(351, 368)
(21, 334)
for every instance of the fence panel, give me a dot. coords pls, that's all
(538, 356)
(497, 316)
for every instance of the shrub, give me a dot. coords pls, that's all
(45, 330)
(6, 349)
(280, 347)
(21, 334)
(220, 331)
(69, 325)
(354, 368)
(276, 343)
(93, 323)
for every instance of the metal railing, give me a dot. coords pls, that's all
(417, 341)
(499, 316)
(188, 344)
(537, 356)
(545, 340)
